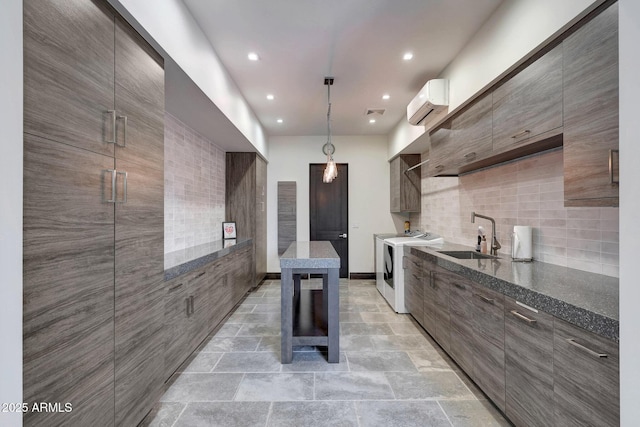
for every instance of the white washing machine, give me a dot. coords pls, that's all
(390, 281)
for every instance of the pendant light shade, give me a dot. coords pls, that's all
(331, 170)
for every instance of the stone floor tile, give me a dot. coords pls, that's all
(473, 413)
(352, 386)
(398, 342)
(267, 308)
(228, 330)
(202, 362)
(258, 330)
(314, 361)
(196, 387)
(380, 361)
(248, 362)
(428, 385)
(164, 414)
(385, 317)
(430, 359)
(401, 413)
(224, 414)
(313, 414)
(365, 329)
(276, 387)
(406, 328)
(227, 344)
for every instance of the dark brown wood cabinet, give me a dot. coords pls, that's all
(586, 378)
(413, 288)
(94, 103)
(529, 365)
(246, 197)
(528, 106)
(405, 185)
(488, 354)
(591, 112)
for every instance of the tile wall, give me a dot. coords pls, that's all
(525, 192)
(194, 180)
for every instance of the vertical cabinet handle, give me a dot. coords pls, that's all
(112, 122)
(188, 301)
(124, 188)
(612, 179)
(590, 352)
(113, 186)
(124, 131)
(192, 304)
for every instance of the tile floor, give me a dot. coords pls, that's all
(391, 373)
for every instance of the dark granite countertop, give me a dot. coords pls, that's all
(310, 255)
(587, 300)
(186, 260)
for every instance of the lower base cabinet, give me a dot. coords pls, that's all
(586, 385)
(528, 344)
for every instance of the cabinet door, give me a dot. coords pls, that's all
(139, 291)
(530, 103)
(413, 292)
(221, 294)
(529, 365)
(68, 283)
(405, 185)
(68, 72)
(394, 175)
(200, 286)
(488, 330)
(586, 378)
(472, 138)
(429, 298)
(240, 275)
(440, 151)
(443, 318)
(176, 324)
(591, 113)
(139, 96)
(260, 237)
(461, 311)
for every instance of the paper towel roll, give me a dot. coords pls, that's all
(522, 248)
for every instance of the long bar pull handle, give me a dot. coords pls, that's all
(612, 180)
(200, 274)
(176, 287)
(521, 133)
(523, 317)
(124, 188)
(124, 131)
(573, 342)
(113, 186)
(432, 281)
(112, 113)
(188, 301)
(485, 299)
(470, 156)
(459, 286)
(191, 299)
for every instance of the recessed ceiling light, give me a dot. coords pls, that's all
(280, 121)
(407, 56)
(385, 96)
(372, 120)
(270, 97)
(253, 56)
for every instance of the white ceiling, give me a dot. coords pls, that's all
(358, 42)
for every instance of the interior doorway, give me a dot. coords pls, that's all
(329, 211)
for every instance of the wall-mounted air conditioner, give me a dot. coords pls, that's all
(432, 98)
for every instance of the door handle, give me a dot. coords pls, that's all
(343, 236)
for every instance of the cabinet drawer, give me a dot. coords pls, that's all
(529, 364)
(586, 378)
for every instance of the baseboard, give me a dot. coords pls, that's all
(272, 276)
(362, 276)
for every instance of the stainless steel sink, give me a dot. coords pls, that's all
(467, 255)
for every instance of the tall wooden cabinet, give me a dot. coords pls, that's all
(246, 199)
(93, 217)
(591, 112)
(405, 186)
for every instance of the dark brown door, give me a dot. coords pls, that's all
(329, 211)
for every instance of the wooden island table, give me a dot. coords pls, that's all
(310, 316)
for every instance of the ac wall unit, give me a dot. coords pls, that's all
(432, 98)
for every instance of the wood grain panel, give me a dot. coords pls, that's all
(530, 103)
(405, 186)
(440, 150)
(240, 174)
(139, 95)
(472, 132)
(260, 238)
(429, 298)
(221, 295)
(413, 291)
(529, 365)
(461, 311)
(176, 338)
(591, 111)
(488, 355)
(68, 296)
(68, 72)
(287, 224)
(443, 318)
(139, 292)
(586, 386)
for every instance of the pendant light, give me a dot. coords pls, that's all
(331, 170)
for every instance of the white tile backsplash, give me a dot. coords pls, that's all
(194, 181)
(525, 192)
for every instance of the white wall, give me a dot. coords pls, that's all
(368, 190)
(176, 32)
(515, 29)
(11, 209)
(629, 13)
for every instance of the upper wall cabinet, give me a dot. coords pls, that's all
(405, 185)
(591, 112)
(529, 104)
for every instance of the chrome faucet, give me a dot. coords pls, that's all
(495, 245)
